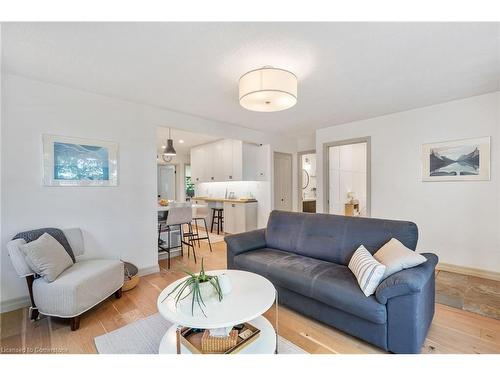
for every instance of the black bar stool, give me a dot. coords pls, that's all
(217, 215)
(201, 213)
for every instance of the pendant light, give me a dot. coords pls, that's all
(268, 89)
(169, 150)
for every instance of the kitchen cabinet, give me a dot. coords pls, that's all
(197, 164)
(240, 217)
(228, 160)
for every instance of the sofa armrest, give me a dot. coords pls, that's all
(408, 281)
(242, 242)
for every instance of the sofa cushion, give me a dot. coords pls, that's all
(80, 287)
(334, 238)
(368, 271)
(396, 257)
(330, 283)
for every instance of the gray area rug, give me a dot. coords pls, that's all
(144, 336)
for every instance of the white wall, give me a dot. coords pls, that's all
(460, 221)
(117, 221)
(306, 142)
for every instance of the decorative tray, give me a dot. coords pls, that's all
(191, 338)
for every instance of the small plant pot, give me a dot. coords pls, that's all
(208, 292)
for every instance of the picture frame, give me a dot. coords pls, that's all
(458, 160)
(71, 161)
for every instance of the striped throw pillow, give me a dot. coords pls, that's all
(367, 270)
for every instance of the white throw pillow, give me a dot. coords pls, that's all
(367, 270)
(396, 257)
(46, 256)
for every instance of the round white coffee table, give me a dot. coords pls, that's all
(250, 297)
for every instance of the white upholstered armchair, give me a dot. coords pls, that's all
(75, 290)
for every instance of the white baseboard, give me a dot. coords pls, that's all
(14, 304)
(149, 270)
(490, 275)
(173, 254)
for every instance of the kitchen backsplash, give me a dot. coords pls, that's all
(241, 189)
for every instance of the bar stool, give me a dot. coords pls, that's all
(178, 215)
(217, 214)
(201, 213)
(163, 228)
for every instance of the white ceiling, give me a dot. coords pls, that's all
(190, 140)
(347, 71)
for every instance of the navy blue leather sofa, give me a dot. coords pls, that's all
(306, 256)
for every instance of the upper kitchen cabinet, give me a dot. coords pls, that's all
(228, 160)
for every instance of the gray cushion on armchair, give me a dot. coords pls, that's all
(32, 235)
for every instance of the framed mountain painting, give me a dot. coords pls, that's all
(79, 162)
(462, 160)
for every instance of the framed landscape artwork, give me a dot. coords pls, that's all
(79, 162)
(463, 160)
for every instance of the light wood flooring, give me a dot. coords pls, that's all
(469, 293)
(452, 331)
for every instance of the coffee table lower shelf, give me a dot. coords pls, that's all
(264, 344)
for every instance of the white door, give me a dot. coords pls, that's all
(166, 181)
(282, 181)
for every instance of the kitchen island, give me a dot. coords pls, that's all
(240, 215)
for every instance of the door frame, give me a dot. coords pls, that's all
(291, 177)
(326, 171)
(299, 176)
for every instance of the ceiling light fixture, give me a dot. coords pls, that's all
(181, 141)
(169, 150)
(268, 89)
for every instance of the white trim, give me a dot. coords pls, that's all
(148, 270)
(469, 271)
(14, 304)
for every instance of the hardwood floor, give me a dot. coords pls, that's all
(452, 331)
(469, 293)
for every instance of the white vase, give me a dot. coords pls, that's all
(208, 295)
(208, 292)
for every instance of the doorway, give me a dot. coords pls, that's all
(167, 181)
(283, 181)
(307, 181)
(348, 177)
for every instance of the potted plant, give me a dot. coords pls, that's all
(201, 287)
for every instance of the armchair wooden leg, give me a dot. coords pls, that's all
(75, 323)
(118, 293)
(33, 312)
